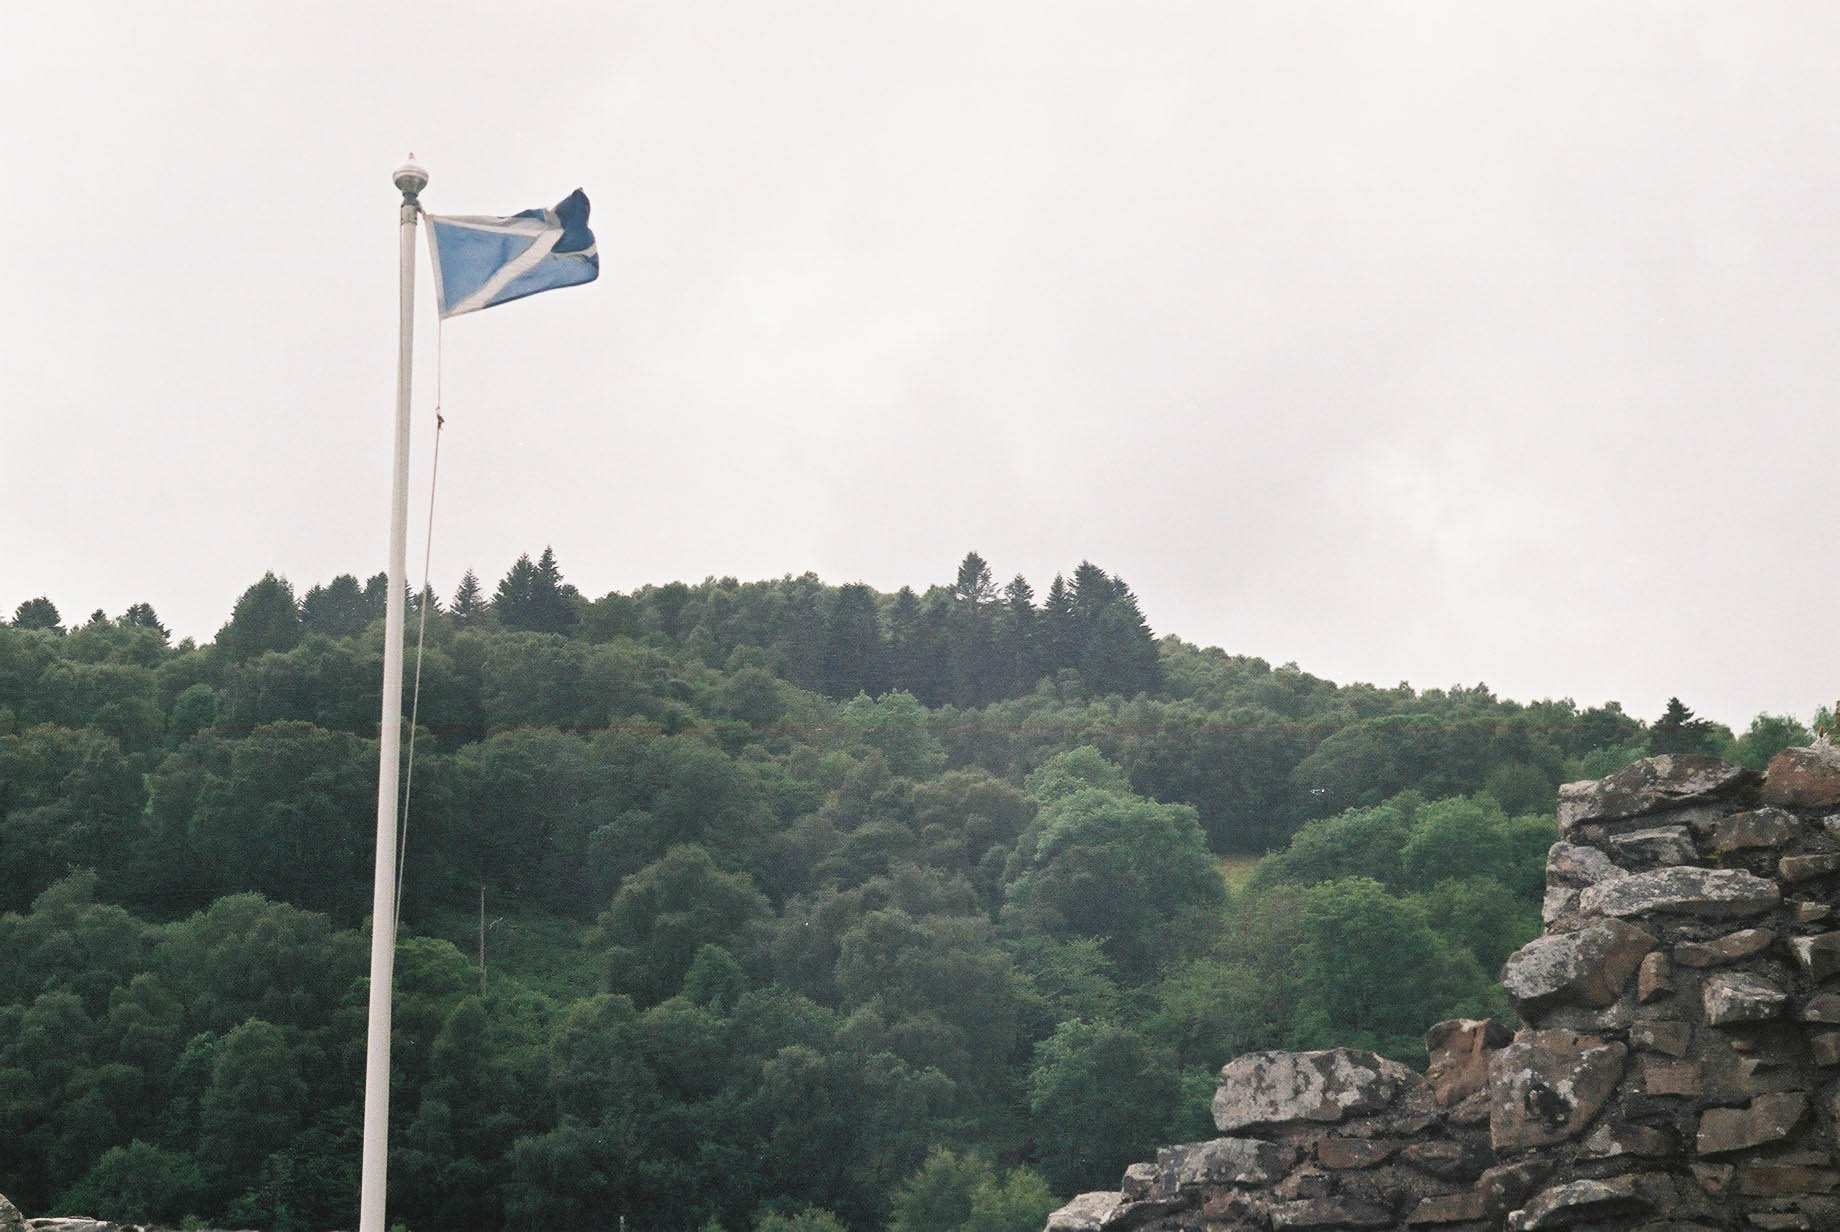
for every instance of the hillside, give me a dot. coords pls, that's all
(803, 903)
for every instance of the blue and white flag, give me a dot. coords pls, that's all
(479, 262)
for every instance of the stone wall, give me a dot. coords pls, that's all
(1677, 1065)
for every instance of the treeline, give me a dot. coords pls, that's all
(803, 904)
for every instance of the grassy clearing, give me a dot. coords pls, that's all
(1236, 870)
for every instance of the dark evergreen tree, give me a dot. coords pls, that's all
(141, 616)
(855, 660)
(377, 596)
(514, 601)
(39, 613)
(337, 609)
(1059, 641)
(265, 618)
(1678, 731)
(1019, 635)
(552, 606)
(469, 607)
(974, 586)
(903, 632)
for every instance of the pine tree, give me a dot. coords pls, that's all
(39, 613)
(513, 599)
(552, 610)
(141, 616)
(469, 607)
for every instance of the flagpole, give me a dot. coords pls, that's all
(411, 179)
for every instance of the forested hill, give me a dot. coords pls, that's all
(804, 904)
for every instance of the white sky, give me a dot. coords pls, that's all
(1439, 342)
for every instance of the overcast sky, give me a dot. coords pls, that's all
(1431, 342)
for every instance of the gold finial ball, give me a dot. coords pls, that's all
(410, 177)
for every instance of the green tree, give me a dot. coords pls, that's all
(141, 616)
(1768, 735)
(469, 607)
(338, 609)
(39, 613)
(265, 618)
(665, 913)
(1679, 731)
(937, 1198)
(253, 1106)
(138, 1183)
(1099, 1098)
(894, 725)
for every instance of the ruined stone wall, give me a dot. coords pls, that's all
(1677, 1065)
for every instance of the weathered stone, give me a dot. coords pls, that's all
(1654, 978)
(1819, 955)
(1825, 1048)
(1086, 1213)
(1449, 1161)
(1655, 847)
(1727, 949)
(1738, 996)
(1714, 1178)
(1458, 1050)
(1608, 1141)
(1804, 778)
(1547, 1085)
(1139, 1182)
(1765, 827)
(1329, 1213)
(1587, 967)
(1506, 1187)
(10, 1218)
(1580, 1202)
(1716, 893)
(1808, 867)
(1576, 864)
(1811, 913)
(1351, 1153)
(1649, 786)
(1770, 1179)
(1447, 1208)
(1670, 1077)
(1280, 1088)
(1768, 1118)
(1781, 1221)
(1822, 1007)
(1224, 1161)
(1662, 1035)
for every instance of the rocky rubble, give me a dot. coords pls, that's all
(12, 1221)
(1677, 1065)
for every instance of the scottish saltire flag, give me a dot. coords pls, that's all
(479, 262)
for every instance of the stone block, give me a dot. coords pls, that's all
(1650, 785)
(1609, 1141)
(1448, 1161)
(1283, 1088)
(1825, 1048)
(1351, 1153)
(1546, 1086)
(1655, 848)
(1771, 1179)
(1086, 1213)
(1733, 997)
(1819, 955)
(1588, 967)
(1804, 778)
(1727, 949)
(1822, 1007)
(1458, 1052)
(1447, 1208)
(1564, 1206)
(1681, 1078)
(1654, 978)
(1329, 1213)
(1808, 867)
(1765, 827)
(1661, 1035)
(1766, 1119)
(1715, 893)
(1224, 1161)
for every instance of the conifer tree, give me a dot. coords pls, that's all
(469, 606)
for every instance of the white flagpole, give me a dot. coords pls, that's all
(411, 179)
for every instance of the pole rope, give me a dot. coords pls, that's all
(421, 634)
